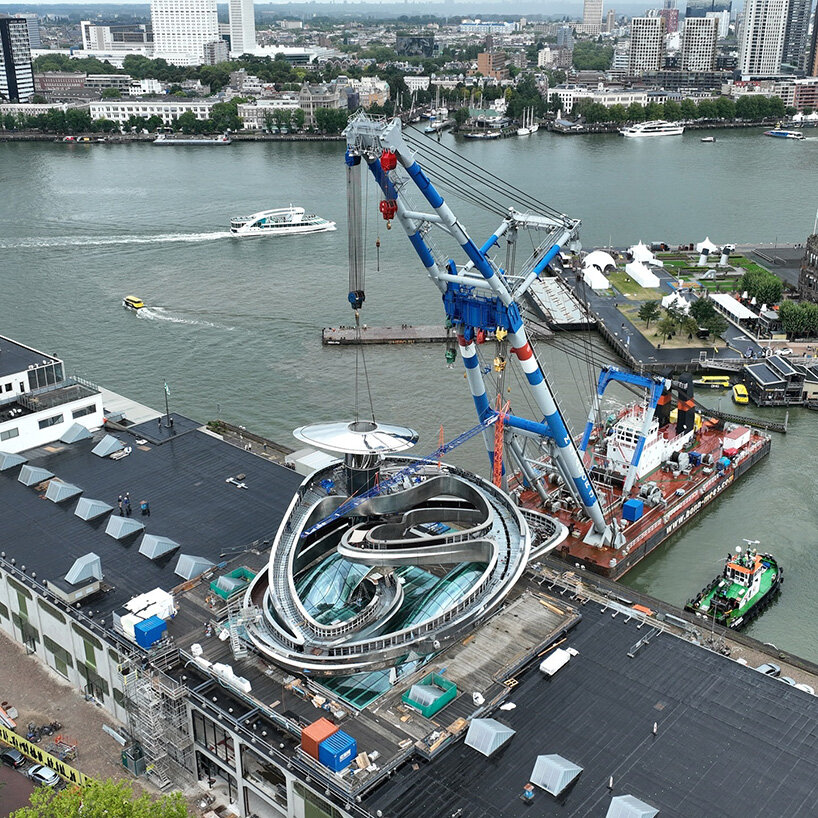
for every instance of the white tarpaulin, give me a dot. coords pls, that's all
(677, 302)
(599, 259)
(732, 306)
(707, 245)
(641, 274)
(594, 279)
(641, 252)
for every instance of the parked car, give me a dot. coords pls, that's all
(14, 758)
(769, 669)
(40, 774)
(784, 351)
(787, 680)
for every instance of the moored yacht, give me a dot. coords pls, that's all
(279, 222)
(655, 128)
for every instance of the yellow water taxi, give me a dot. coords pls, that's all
(740, 394)
(131, 302)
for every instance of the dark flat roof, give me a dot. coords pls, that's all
(184, 481)
(16, 357)
(730, 741)
(764, 374)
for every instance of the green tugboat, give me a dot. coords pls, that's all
(747, 585)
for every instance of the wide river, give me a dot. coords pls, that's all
(234, 327)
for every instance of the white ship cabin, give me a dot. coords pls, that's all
(623, 436)
(745, 570)
(38, 404)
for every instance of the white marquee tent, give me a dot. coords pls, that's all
(641, 274)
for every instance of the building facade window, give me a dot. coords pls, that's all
(52, 421)
(264, 775)
(51, 610)
(214, 738)
(83, 411)
(8, 434)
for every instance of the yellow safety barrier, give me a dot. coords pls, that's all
(35, 753)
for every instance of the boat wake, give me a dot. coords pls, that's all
(161, 314)
(101, 241)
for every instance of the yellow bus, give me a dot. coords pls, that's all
(713, 381)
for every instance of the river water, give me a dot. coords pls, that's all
(234, 327)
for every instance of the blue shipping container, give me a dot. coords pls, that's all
(337, 751)
(149, 631)
(632, 510)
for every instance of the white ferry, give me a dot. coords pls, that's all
(656, 128)
(783, 133)
(281, 222)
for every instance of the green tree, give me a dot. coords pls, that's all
(725, 108)
(102, 798)
(762, 285)
(590, 56)
(706, 109)
(225, 116)
(110, 93)
(104, 125)
(636, 112)
(331, 120)
(702, 310)
(299, 116)
(187, 122)
(617, 114)
(649, 311)
(654, 110)
(673, 111)
(460, 116)
(689, 109)
(666, 326)
(715, 324)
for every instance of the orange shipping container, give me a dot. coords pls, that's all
(314, 734)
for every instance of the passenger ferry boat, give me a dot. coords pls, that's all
(656, 128)
(746, 586)
(132, 302)
(284, 221)
(170, 139)
(783, 133)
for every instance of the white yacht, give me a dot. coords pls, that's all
(281, 222)
(656, 128)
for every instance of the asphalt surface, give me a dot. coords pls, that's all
(15, 790)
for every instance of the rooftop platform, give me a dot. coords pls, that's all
(730, 741)
(183, 478)
(16, 357)
(387, 730)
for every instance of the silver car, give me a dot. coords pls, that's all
(41, 774)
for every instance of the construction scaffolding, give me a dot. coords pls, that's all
(158, 721)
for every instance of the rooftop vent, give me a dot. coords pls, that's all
(554, 773)
(153, 546)
(487, 735)
(88, 509)
(190, 565)
(629, 806)
(33, 475)
(86, 567)
(59, 492)
(74, 433)
(9, 460)
(107, 446)
(121, 527)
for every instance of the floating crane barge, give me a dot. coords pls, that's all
(634, 477)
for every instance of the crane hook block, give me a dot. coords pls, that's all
(480, 336)
(356, 298)
(351, 159)
(388, 208)
(389, 161)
